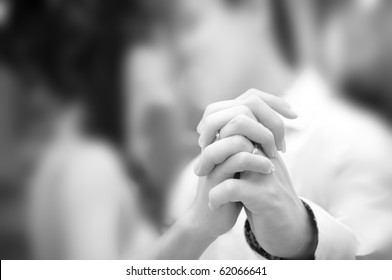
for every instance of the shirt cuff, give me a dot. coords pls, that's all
(335, 240)
(255, 246)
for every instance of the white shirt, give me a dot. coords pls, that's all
(339, 161)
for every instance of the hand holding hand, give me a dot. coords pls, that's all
(221, 160)
(277, 216)
(230, 155)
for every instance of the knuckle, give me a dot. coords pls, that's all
(207, 153)
(252, 91)
(231, 187)
(238, 141)
(253, 99)
(245, 110)
(242, 142)
(208, 108)
(243, 160)
(250, 101)
(231, 127)
(238, 121)
(241, 119)
(233, 123)
(247, 93)
(208, 121)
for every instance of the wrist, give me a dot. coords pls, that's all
(195, 230)
(182, 241)
(298, 238)
(307, 236)
(310, 245)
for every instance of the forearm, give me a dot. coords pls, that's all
(181, 241)
(333, 241)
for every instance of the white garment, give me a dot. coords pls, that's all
(83, 206)
(339, 161)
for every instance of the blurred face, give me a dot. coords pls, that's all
(17, 144)
(8, 122)
(218, 43)
(359, 44)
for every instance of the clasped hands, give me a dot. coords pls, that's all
(277, 216)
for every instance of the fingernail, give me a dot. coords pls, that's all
(294, 114)
(283, 146)
(274, 152)
(196, 167)
(278, 146)
(294, 111)
(200, 142)
(271, 169)
(198, 129)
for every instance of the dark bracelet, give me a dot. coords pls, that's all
(255, 246)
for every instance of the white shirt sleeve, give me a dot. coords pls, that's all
(335, 240)
(356, 221)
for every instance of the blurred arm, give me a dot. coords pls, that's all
(91, 207)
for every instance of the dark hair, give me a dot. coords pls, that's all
(74, 47)
(283, 27)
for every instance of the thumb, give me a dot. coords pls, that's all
(228, 191)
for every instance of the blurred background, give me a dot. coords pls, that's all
(136, 76)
